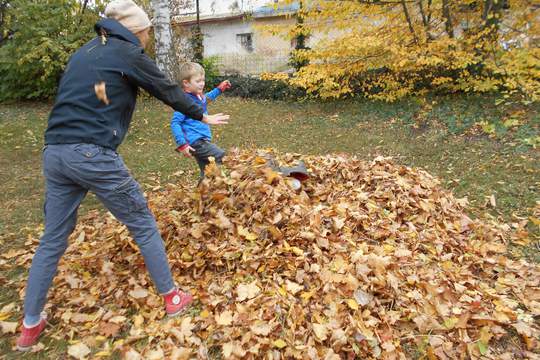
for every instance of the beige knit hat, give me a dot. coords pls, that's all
(128, 14)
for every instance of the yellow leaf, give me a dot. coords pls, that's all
(306, 295)
(352, 304)
(280, 344)
(450, 323)
(297, 251)
(103, 353)
(246, 234)
(138, 320)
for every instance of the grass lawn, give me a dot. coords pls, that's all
(471, 165)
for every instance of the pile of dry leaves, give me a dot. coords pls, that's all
(366, 260)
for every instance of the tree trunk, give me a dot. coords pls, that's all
(163, 37)
(198, 43)
(447, 18)
(4, 31)
(409, 21)
(426, 19)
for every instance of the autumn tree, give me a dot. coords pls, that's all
(387, 49)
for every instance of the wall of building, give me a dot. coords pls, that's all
(220, 37)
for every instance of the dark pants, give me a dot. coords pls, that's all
(204, 149)
(71, 170)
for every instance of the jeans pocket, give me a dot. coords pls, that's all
(130, 193)
(89, 151)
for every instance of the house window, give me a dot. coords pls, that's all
(246, 41)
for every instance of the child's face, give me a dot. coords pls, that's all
(195, 85)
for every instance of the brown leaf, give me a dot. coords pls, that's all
(108, 329)
(101, 92)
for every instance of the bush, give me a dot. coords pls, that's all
(255, 88)
(32, 60)
(211, 71)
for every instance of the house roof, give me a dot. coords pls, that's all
(191, 20)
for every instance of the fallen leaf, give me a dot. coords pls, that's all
(362, 297)
(132, 354)
(280, 344)
(352, 304)
(492, 201)
(260, 327)
(101, 92)
(119, 319)
(78, 351)
(109, 329)
(293, 287)
(181, 353)
(247, 291)
(321, 331)
(156, 354)
(138, 293)
(81, 318)
(224, 319)
(8, 327)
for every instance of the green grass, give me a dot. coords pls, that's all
(471, 165)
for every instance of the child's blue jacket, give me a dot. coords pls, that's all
(186, 130)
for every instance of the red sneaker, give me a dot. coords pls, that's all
(29, 336)
(176, 302)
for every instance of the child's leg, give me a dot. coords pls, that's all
(203, 151)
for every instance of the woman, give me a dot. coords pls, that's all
(93, 110)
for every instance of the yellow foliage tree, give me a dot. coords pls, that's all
(387, 49)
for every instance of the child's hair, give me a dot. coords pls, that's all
(187, 70)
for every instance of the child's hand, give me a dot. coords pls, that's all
(224, 85)
(217, 119)
(186, 150)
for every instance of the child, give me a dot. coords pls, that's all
(193, 138)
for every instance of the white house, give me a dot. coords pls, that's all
(238, 41)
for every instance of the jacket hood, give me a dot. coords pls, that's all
(113, 28)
